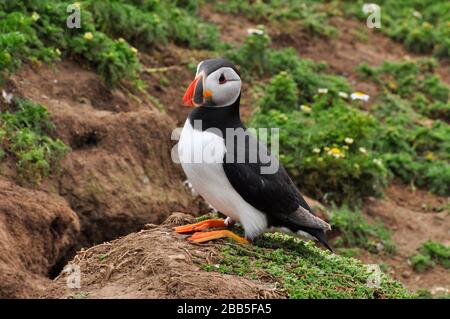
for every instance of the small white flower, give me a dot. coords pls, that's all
(378, 162)
(360, 96)
(363, 150)
(322, 90)
(417, 14)
(8, 97)
(348, 140)
(255, 31)
(316, 150)
(343, 95)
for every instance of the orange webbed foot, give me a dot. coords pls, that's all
(201, 237)
(210, 223)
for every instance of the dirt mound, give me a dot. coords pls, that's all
(119, 175)
(37, 232)
(155, 263)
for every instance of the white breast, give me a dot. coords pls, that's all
(201, 155)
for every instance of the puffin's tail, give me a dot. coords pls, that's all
(322, 238)
(324, 241)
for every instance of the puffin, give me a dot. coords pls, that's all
(233, 170)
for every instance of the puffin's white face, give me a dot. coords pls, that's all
(216, 84)
(223, 87)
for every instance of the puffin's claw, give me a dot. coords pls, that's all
(201, 237)
(210, 223)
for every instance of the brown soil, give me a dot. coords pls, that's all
(118, 177)
(413, 217)
(155, 263)
(37, 233)
(119, 174)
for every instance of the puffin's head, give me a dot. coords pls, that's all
(216, 84)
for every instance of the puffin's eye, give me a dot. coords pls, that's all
(222, 79)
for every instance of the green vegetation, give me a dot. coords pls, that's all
(414, 81)
(308, 13)
(430, 254)
(334, 150)
(355, 231)
(23, 134)
(36, 31)
(303, 270)
(422, 25)
(415, 148)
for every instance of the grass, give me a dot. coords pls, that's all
(303, 270)
(355, 231)
(430, 254)
(24, 136)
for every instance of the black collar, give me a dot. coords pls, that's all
(217, 117)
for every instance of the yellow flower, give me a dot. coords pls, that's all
(88, 36)
(348, 140)
(360, 96)
(363, 150)
(429, 156)
(305, 108)
(392, 85)
(316, 150)
(336, 153)
(35, 16)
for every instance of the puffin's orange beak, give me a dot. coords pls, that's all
(188, 98)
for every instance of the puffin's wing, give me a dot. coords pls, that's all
(273, 194)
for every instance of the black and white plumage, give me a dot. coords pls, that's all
(260, 202)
